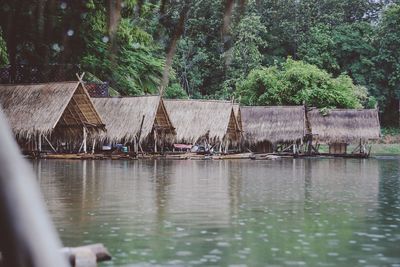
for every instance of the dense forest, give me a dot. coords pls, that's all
(324, 53)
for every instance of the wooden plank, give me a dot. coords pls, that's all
(84, 140)
(86, 256)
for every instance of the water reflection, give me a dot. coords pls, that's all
(315, 212)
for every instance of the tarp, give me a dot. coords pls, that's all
(182, 146)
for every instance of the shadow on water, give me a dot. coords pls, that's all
(319, 212)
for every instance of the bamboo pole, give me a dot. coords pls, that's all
(93, 145)
(52, 147)
(27, 236)
(84, 140)
(155, 141)
(140, 135)
(135, 146)
(40, 143)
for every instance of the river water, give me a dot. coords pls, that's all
(289, 212)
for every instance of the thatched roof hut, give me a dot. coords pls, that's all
(61, 108)
(195, 119)
(273, 123)
(128, 118)
(344, 125)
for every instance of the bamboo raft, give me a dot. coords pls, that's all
(84, 256)
(193, 156)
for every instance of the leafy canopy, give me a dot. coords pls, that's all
(298, 83)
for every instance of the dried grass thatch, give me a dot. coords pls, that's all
(238, 115)
(194, 119)
(273, 124)
(344, 125)
(42, 108)
(123, 117)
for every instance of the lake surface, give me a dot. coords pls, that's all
(289, 212)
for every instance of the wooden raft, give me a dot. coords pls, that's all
(86, 256)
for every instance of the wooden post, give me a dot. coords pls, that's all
(309, 144)
(155, 141)
(135, 146)
(84, 140)
(162, 140)
(226, 145)
(94, 145)
(40, 143)
(47, 140)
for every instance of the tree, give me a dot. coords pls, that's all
(248, 43)
(136, 68)
(345, 48)
(387, 62)
(298, 83)
(199, 63)
(3, 51)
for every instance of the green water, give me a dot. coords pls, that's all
(291, 212)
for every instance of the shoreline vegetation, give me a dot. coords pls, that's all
(389, 144)
(376, 149)
(324, 54)
(385, 149)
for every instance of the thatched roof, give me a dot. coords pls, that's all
(38, 108)
(344, 125)
(238, 115)
(123, 117)
(273, 124)
(193, 119)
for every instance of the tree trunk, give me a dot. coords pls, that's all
(48, 33)
(172, 47)
(114, 16)
(227, 20)
(10, 37)
(139, 6)
(161, 14)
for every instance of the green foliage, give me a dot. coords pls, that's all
(359, 39)
(199, 60)
(344, 48)
(298, 83)
(137, 71)
(133, 66)
(175, 91)
(390, 131)
(3, 51)
(248, 43)
(319, 49)
(387, 61)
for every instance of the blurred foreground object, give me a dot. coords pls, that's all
(28, 237)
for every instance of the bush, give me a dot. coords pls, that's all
(298, 83)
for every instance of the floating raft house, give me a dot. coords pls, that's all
(135, 121)
(53, 116)
(266, 126)
(205, 122)
(340, 127)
